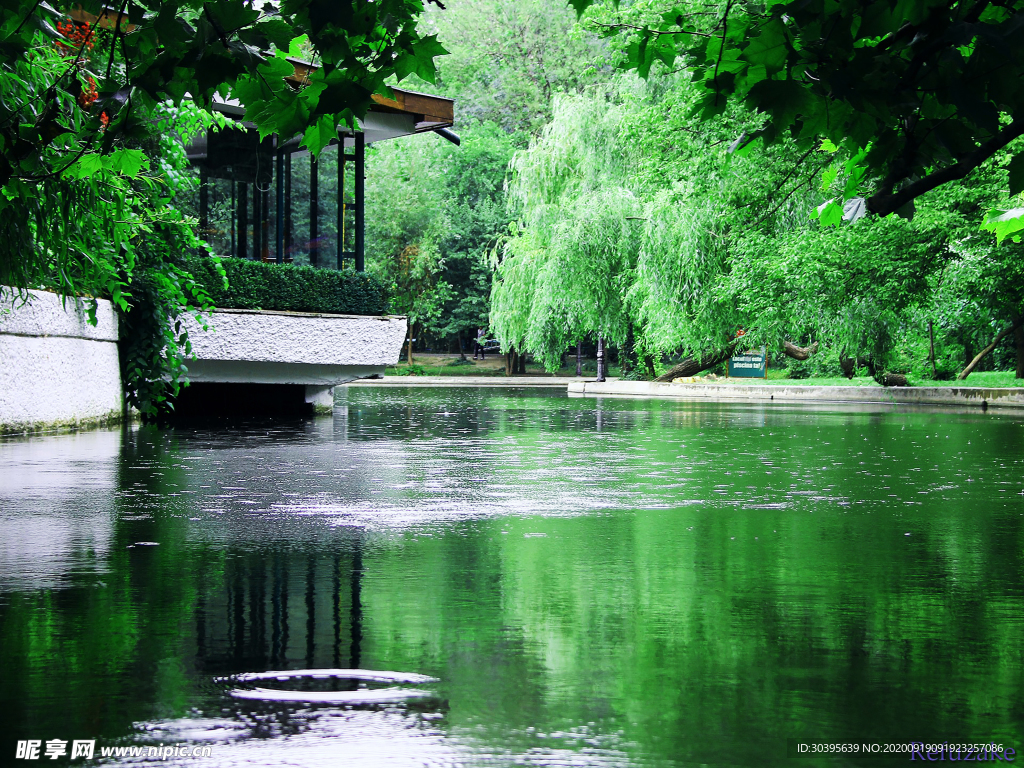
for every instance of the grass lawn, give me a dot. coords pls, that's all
(980, 379)
(428, 369)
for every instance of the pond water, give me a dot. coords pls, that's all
(552, 581)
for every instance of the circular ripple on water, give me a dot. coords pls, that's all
(389, 694)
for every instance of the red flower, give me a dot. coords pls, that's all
(79, 37)
(88, 94)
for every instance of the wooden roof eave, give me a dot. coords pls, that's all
(430, 112)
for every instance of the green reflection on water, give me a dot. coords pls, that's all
(641, 583)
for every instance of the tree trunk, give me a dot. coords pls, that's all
(799, 353)
(579, 358)
(691, 366)
(462, 352)
(511, 361)
(409, 353)
(931, 348)
(627, 355)
(204, 206)
(600, 359)
(649, 365)
(1018, 337)
(848, 365)
(522, 363)
(978, 358)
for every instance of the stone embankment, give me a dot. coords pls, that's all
(57, 371)
(979, 397)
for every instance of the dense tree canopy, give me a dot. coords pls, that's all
(921, 92)
(436, 212)
(743, 182)
(83, 95)
(714, 241)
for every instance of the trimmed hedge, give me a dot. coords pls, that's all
(284, 287)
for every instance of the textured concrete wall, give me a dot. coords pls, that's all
(56, 370)
(292, 347)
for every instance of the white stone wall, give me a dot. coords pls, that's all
(292, 347)
(56, 370)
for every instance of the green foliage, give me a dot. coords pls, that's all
(723, 240)
(434, 213)
(227, 47)
(1004, 223)
(242, 284)
(154, 346)
(863, 75)
(509, 58)
(413, 369)
(799, 369)
(471, 220)
(674, 296)
(103, 224)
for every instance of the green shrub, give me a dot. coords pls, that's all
(285, 287)
(633, 374)
(153, 344)
(800, 369)
(823, 364)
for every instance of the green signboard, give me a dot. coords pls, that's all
(752, 364)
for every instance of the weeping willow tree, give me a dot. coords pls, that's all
(679, 295)
(565, 267)
(607, 245)
(636, 227)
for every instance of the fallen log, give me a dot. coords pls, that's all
(799, 353)
(893, 380)
(995, 343)
(691, 366)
